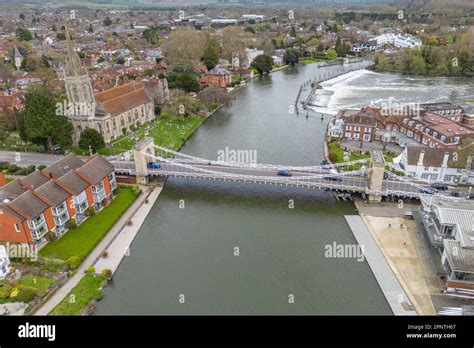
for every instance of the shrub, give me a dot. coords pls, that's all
(73, 262)
(12, 168)
(41, 167)
(5, 171)
(105, 253)
(52, 265)
(106, 273)
(24, 294)
(52, 236)
(4, 165)
(21, 171)
(90, 269)
(72, 224)
(31, 169)
(332, 156)
(5, 291)
(91, 211)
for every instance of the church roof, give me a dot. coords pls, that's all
(123, 98)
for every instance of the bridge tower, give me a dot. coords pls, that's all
(141, 150)
(377, 169)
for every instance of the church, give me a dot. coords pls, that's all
(112, 112)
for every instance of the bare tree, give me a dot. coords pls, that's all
(214, 95)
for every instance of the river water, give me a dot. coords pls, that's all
(189, 252)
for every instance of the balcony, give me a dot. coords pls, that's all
(98, 192)
(60, 209)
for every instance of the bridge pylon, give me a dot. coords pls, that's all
(143, 152)
(377, 169)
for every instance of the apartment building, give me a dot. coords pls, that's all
(46, 201)
(450, 227)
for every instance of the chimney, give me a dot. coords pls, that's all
(2, 179)
(422, 156)
(445, 160)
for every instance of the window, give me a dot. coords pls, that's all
(17, 228)
(432, 145)
(448, 178)
(357, 129)
(410, 133)
(348, 127)
(366, 137)
(427, 168)
(356, 135)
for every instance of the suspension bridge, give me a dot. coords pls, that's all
(368, 177)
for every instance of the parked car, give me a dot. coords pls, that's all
(455, 194)
(385, 175)
(470, 196)
(326, 164)
(440, 186)
(284, 172)
(153, 165)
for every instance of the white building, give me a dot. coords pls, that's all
(398, 40)
(5, 267)
(251, 54)
(437, 165)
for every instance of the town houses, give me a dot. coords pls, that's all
(48, 201)
(437, 125)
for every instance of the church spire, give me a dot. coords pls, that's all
(73, 63)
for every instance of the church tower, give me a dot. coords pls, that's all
(78, 86)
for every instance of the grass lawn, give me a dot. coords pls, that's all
(81, 240)
(337, 155)
(84, 292)
(40, 283)
(170, 132)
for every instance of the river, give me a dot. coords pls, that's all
(237, 248)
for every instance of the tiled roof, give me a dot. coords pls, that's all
(123, 98)
(35, 179)
(28, 205)
(95, 169)
(53, 193)
(63, 166)
(433, 157)
(73, 182)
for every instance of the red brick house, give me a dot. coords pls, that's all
(216, 77)
(47, 200)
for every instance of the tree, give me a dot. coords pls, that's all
(214, 95)
(212, 52)
(184, 45)
(22, 16)
(41, 124)
(331, 54)
(90, 28)
(183, 77)
(107, 21)
(23, 34)
(263, 64)
(341, 48)
(90, 138)
(151, 36)
(232, 42)
(290, 57)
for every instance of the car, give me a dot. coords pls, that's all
(429, 190)
(333, 178)
(440, 186)
(284, 172)
(326, 164)
(455, 194)
(385, 175)
(153, 165)
(470, 196)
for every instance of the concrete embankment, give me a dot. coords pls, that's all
(390, 286)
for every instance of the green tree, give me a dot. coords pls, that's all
(212, 52)
(331, 54)
(90, 138)
(23, 34)
(107, 21)
(42, 125)
(341, 48)
(151, 36)
(183, 77)
(263, 64)
(291, 57)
